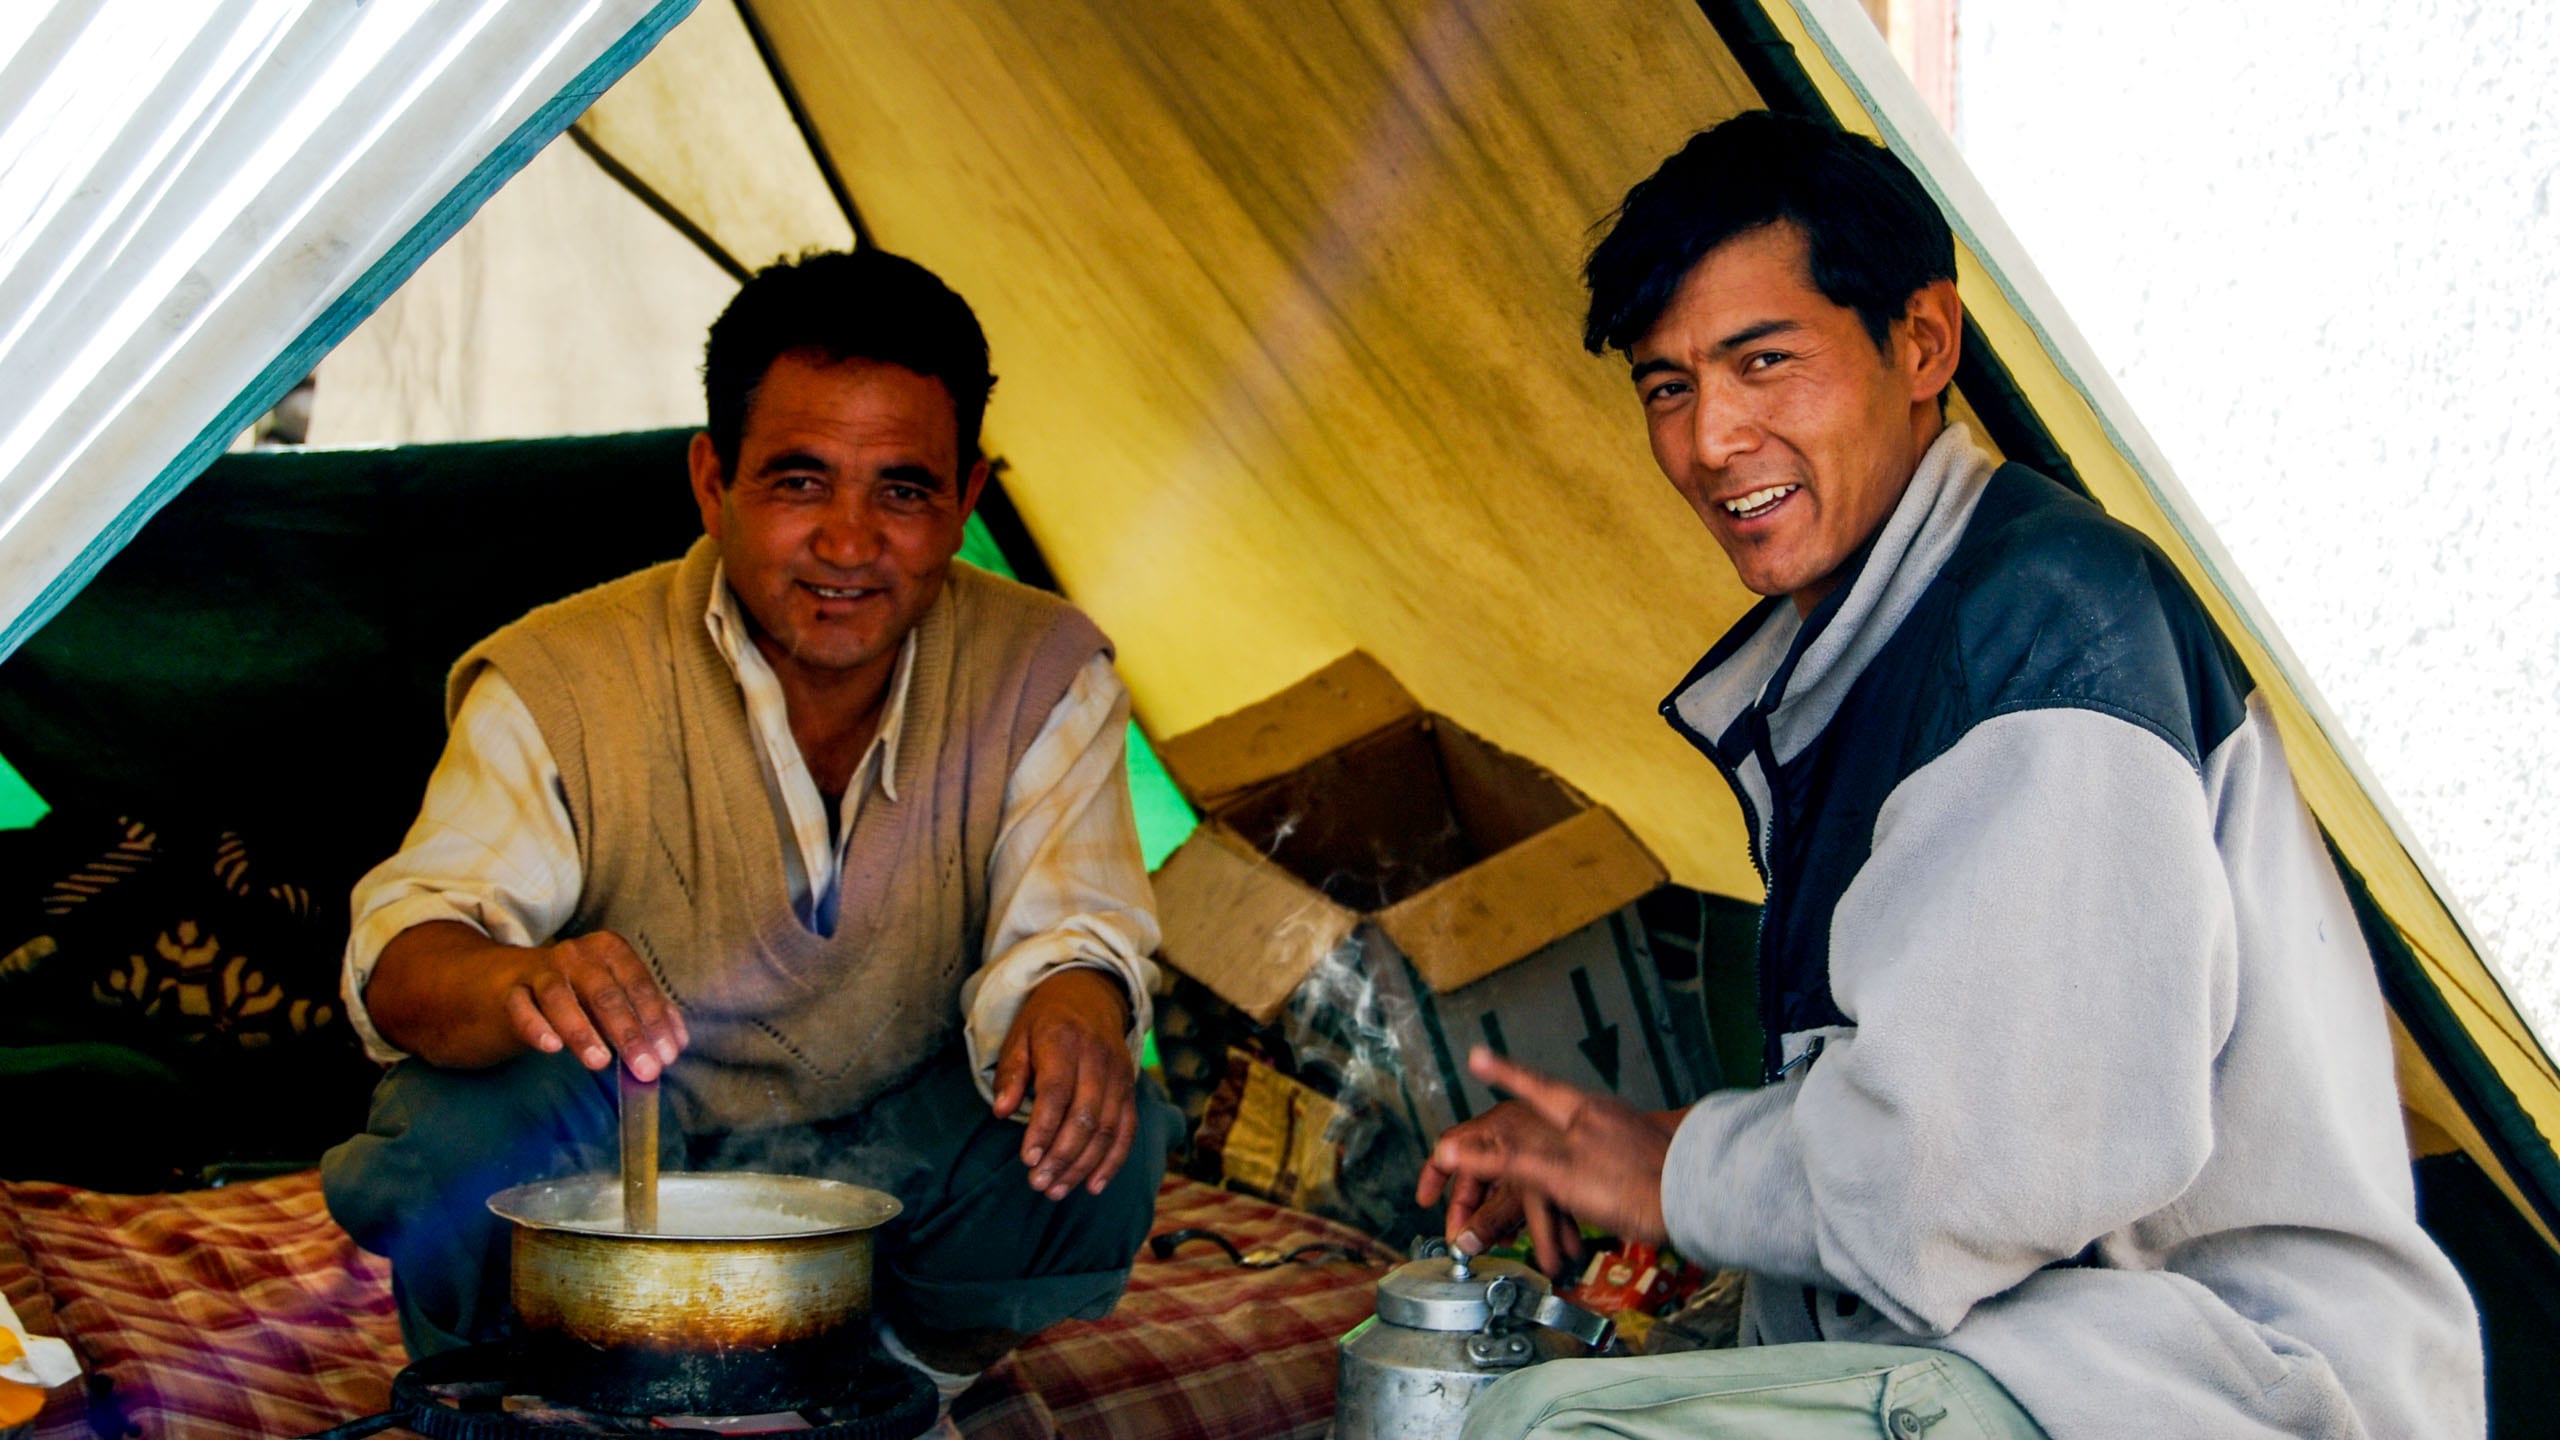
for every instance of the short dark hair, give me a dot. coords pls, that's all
(1873, 235)
(844, 305)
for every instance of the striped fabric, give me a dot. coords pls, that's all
(246, 1312)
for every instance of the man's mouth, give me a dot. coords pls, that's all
(833, 592)
(1758, 502)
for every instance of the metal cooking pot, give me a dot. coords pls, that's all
(753, 1294)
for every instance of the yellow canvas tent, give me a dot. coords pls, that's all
(1285, 302)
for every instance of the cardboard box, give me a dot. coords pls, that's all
(1411, 890)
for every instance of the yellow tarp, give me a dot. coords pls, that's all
(1285, 300)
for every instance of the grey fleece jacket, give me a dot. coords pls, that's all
(2103, 1098)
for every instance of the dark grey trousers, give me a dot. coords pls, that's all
(975, 1247)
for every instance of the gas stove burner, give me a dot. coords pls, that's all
(470, 1394)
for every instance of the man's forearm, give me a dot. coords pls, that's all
(440, 992)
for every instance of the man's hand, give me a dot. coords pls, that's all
(1556, 1153)
(1069, 1050)
(1485, 1213)
(595, 997)
(454, 997)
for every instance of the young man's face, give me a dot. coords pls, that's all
(848, 502)
(1776, 416)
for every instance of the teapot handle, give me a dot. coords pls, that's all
(1595, 1331)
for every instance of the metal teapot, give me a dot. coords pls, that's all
(1445, 1330)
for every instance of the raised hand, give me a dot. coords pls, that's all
(1553, 1155)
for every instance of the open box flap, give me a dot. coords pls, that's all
(1346, 701)
(1241, 925)
(1506, 907)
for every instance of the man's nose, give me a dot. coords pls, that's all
(1724, 429)
(849, 535)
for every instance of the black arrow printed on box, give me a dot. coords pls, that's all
(1494, 1042)
(1599, 1043)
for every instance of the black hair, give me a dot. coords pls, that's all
(844, 305)
(1873, 235)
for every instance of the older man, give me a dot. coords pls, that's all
(830, 833)
(2081, 1118)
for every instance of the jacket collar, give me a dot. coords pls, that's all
(1796, 670)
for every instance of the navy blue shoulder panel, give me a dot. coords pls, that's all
(2045, 603)
(2051, 602)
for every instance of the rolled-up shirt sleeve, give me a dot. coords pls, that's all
(492, 847)
(1068, 882)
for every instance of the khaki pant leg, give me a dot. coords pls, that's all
(1774, 1392)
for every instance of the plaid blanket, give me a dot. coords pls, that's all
(247, 1312)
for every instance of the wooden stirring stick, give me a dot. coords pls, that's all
(639, 1153)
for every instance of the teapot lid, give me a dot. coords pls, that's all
(1451, 1293)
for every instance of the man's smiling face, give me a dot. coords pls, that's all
(1777, 416)
(848, 502)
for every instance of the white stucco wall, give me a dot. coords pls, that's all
(2316, 245)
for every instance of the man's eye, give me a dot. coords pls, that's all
(1762, 360)
(796, 484)
(908, 494)
(1667, 390)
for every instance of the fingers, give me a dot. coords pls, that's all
(624, 1000)
(558, 1002)
(1013, 1076)
(1555, 1235)
(1052, 1091)
(1495, 1218)
(615, 1014)
(1125, 1135)
(1527, 1160)
(1068, 1050)
(1542, 1236)
(1466, 1193)
(1103, 1083)
(1554, 1101)
(593, 997)
(527, 1018)
(1427, 1190)
(1436, 1178)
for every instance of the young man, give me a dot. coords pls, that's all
(829, 833)
(2081, 1118)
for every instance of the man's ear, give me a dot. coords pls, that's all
(1933, 331)
(973, 486)
(710, 482)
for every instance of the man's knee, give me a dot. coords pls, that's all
(999, 1252)
(439, 1142)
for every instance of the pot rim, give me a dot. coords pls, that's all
(792, 1206)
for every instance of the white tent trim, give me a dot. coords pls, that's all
(185, 243)
(1855, 49)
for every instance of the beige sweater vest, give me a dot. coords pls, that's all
(683, 858)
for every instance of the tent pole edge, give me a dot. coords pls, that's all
(350, 309)
(657, 204)
(2448, 1046)
(806, 124)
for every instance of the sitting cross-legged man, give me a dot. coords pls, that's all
(831, 834)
